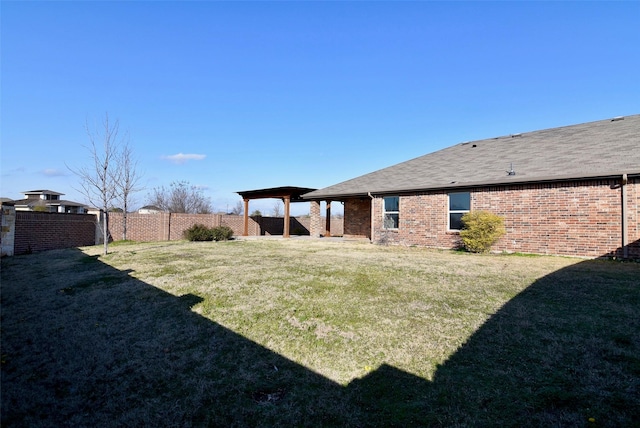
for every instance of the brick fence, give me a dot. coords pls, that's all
(171, 226)
(24, 232)
(35, 231)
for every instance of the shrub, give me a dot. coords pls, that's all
(199, 232)
(222, 233)
(481, 229)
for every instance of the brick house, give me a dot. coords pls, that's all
(573, 190)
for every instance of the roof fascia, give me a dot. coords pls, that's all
(458, 186)
(476, 185)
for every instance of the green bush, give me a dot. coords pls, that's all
(481, 229)
(199, 232)
(222, 233)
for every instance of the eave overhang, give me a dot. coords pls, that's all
(507, 181)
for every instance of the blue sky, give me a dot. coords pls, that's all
(268, 94)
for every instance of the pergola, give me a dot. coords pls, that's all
(288, 194)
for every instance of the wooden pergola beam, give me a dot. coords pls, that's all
(288, 194)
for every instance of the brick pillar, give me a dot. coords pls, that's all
(315, 226)
(166, 226)
(7, 238)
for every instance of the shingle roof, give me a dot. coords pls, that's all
(596, 149)
(45, 202)
(41, 192)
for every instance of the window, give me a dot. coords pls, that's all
(459, 204)
(391, 214)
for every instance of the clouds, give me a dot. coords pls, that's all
(182, 158)
(14, 171)
(22, 172)
(52, 172)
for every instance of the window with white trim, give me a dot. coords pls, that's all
(391, 212)
(459, 205)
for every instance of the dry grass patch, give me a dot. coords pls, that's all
(316, 333)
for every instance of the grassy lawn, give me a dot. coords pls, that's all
(317, 333)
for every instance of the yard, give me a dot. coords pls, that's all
(317, 333)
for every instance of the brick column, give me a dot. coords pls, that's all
(314, 213)
(7, 239)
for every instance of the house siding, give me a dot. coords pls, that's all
(580, 218)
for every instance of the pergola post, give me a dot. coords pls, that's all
(287, 203)
(246, 218)
(328, 219)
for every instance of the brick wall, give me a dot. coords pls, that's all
(357, 218)
(170, 226)
(571, 218)
(140, 227)
(35, 231)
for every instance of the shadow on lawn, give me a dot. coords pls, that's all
(109, 350)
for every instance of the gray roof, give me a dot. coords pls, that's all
(46, 202)
(604, 148)
(41, 192)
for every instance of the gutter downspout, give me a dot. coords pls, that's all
(371, 232)
(623, 202)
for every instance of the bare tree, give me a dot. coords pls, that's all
(180, 197)
(127, 181)
(238, 209)
(277, 209)
(98, 181)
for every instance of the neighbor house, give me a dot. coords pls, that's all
(149, 209)
(573, 190)
(48, 201)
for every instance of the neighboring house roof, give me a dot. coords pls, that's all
(6, 201)
(29, 202)
(66, 203)
(43, 202)
(590, 150)
(32, 203)
(150, 208)
(41, 192)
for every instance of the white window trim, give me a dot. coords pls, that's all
(385, 212)
(450, 211)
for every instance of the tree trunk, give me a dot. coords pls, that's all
(105, 232)
(124, 224)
